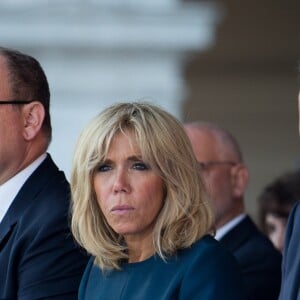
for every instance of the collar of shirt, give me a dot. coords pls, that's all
(228, 226)
(10, 188)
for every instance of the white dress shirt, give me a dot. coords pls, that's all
(10, 189)
(228, 226)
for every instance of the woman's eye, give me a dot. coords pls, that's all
(104, 168)
(140, 166)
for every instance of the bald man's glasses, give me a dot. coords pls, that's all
(16, 102)
(209, 164)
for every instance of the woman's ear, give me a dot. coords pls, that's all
(240, 178)
(33, 116)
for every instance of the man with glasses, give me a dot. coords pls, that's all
(38, 257)
(225, 177)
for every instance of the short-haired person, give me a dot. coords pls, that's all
(290, 284)
(275, 203)
(225, 176)
(38, 256)
(140, 211)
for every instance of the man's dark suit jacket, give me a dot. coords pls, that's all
(290, 286)
(260, 262)
(38, 257)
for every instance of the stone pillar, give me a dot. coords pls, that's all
(99, 52)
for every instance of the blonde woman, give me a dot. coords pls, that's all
(139, 210)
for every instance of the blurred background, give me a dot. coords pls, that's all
(234, 63)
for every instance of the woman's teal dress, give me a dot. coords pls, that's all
(204, 271)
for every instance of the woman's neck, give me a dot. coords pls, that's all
(139, 249)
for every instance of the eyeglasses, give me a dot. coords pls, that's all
(209, 164)
(16, 102)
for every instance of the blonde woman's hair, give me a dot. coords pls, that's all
(185, 216)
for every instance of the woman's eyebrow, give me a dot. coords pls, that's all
(134, 158)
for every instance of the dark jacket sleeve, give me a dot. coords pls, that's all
(290, 284)
(39, 258)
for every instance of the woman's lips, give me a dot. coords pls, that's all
(121, 209)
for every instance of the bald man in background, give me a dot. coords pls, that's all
(225, 177)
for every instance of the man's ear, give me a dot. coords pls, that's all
(240, 177)
(33, 115)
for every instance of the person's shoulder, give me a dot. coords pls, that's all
(48, 198)
(291, 257)
(90, 278)
(211, 272)
(90, 266)
(253, 250)
(295, 214)
(52, 179)
(293, 226)
(206, 242)
(295, 217)
(256, 241)
(208, 254)
(49, 184)
(208, 248)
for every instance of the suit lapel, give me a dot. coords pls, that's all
(26, 197)
(6, 227)
(233, 239)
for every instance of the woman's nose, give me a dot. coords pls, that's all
(121, 182)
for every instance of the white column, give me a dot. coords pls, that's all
(99, 52)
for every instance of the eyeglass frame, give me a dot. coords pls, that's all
(206, 165)
(16, 102)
